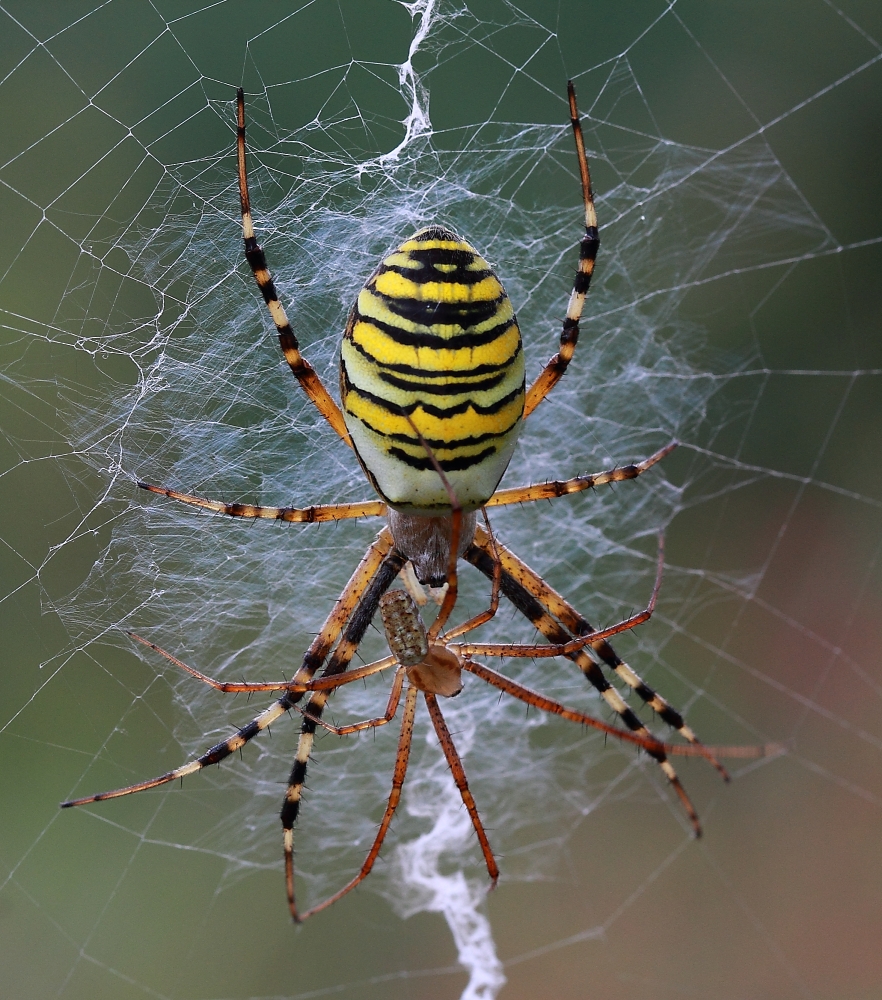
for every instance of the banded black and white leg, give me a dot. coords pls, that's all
(565, 613)
(552, 373)
(514, 573)
(382, 578)
(300, 367)
(293, 689)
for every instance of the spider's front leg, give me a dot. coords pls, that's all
(552, 373)
(300, 367)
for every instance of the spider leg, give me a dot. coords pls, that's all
(249, 687)
(540, 701)
(308, 515)
(577, 625)
(553, 371)
(482, 556)
(368, 599)
(484, 616)
(302, 369)
(563, 487)
(312, 660)
(357, 727)
(522, 649)
(459, 776)
(398, 775)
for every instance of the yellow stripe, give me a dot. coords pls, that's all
(396, 286)
(386, 351)
(399, 259)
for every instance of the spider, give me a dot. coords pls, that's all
(433, 396)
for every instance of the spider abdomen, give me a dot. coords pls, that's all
(432, 342)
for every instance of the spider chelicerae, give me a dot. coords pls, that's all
(433, 397)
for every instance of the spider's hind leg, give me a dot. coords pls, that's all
(517, 582)
(565, 613)
(368, 595)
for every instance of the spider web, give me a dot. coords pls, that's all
(735, 307)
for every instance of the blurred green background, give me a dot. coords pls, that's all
(782, 896)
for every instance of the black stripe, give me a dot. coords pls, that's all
(424, 462)
(434, 341)
(666, 712)
(432, 313)
(462, 260)
(257, 262)
(438, 255)
(222, 750)
(446, 443)
(590, 242)
(434, 411)
(289, 810)
(452, 389)
(423, 275)
(421, 373)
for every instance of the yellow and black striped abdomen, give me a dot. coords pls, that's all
(433, 337)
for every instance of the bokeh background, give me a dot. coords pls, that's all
(769, 630)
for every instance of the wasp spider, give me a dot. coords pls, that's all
(433, 397)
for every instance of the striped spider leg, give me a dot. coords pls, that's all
(303, 681)
(434, 665)
(561, 625)
(552, 373)
(345, 626)
(302, 370)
